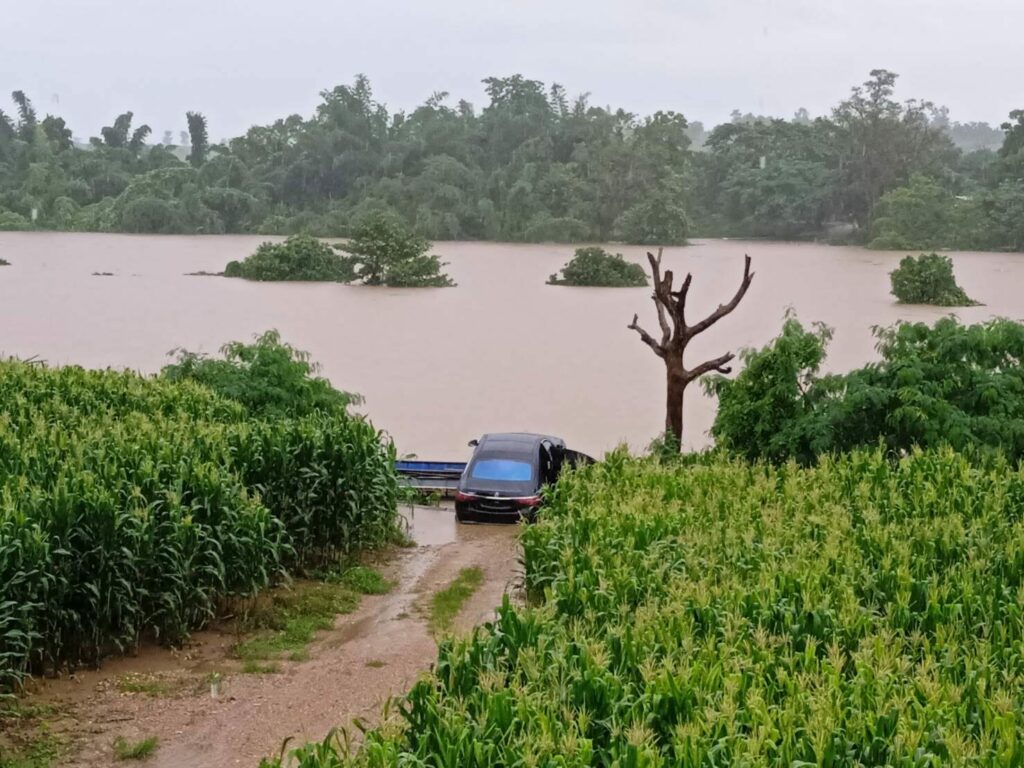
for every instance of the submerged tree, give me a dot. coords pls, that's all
(676, 334)
(383, 252)
(928, 279)
(594, 266)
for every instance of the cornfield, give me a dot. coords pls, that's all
(130, 506)
(861, 612)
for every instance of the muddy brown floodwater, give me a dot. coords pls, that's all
(376, 652)
(502, 351)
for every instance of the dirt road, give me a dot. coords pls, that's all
(374, 653)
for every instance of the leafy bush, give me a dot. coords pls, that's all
(923, 215)
(862, 612)
(131, 505)
(918, 215)
(946, 384)
(268, 377)
(594, 266)
(763, 411)
(152, 215)
(545, 228)
(659, 219)
(12, 222)
(928, 279)
(383, 252)
(300, 257)
(1005, 208)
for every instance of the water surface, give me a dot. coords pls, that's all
(502, 351)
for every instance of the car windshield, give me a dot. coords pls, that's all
(508, 470)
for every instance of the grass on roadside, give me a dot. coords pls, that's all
(365, 581)
(147, 684)
(291, 620)
(26, 737)
(134, 750)
(449, 601)
(257, 667)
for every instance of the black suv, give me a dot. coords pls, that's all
(502, 482)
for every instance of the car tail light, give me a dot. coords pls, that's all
(528, 501)
(461, 496)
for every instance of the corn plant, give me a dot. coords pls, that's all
(864, 611)
(131, 506)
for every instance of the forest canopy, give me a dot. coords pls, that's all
(533, 164)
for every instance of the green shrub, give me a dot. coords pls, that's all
(918, 215)
(300, 257)
(383, 252)
(945, 384)
(545, 228)
(928, 279)
(268, 377)
(594, 266)
(861, 612)
(12, 222)
(658, 219)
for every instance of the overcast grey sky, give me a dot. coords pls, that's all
(251, 61)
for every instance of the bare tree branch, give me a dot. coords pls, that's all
(659, 302)
(662, 294)
(724, 309)
(717, 364)
(646, 337)
(676, 336)
(655, 266)
(684, 289)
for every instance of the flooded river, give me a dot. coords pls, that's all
(502, 351)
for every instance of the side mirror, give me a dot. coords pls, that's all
(473, 443)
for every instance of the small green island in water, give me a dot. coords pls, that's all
(928, 279)
(380, 252)
(594, 266)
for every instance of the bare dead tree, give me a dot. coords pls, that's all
(676, 334)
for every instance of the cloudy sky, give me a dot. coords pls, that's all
(251, 61)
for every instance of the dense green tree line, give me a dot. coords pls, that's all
(532, 165)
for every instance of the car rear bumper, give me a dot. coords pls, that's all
(469, 513)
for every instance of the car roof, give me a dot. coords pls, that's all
(515, 440)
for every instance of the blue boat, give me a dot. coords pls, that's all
(440, 476)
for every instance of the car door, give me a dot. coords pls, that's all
(576, 459)
(548, 464)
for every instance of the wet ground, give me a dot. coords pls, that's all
(370, 655)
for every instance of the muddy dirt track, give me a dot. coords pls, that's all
(371, 654)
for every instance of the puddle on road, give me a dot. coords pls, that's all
(431, 526)
(436, 526)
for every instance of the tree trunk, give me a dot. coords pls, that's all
(676, 385)
(676, 334)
